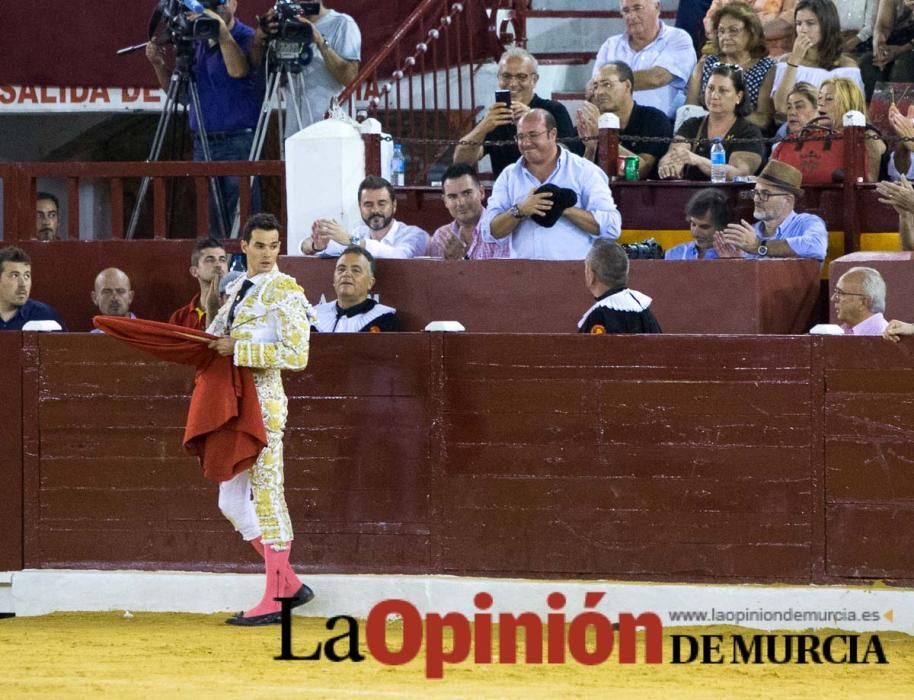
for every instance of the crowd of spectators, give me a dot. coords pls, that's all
(765, 73)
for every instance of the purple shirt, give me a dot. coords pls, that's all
(874, 325)
(229, 104)
(478, 250)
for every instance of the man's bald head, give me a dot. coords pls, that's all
(113, 292)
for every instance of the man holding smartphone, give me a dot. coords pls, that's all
(517, 75)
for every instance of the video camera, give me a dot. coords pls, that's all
(291, 39)
(648, 249)
(290, 29)
(184, 30)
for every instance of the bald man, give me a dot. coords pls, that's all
(113, 294)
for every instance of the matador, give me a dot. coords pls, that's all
(265, 325)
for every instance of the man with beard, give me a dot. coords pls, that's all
(16, 309)
(208, 265)
(48, 216)
(780, 232)
(460, 239)
(113, 294)
(354, 311)
(381, 234)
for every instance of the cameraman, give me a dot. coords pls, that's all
(337, 50)
(231, 93)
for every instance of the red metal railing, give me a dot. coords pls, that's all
(190, 206)
(512, 27)
(421, 85)
(19, 181)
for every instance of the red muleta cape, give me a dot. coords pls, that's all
(224, 424)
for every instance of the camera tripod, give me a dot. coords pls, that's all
(285, 84)
(182, 78)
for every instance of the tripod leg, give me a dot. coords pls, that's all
(216, 191)
(295, 88)
(263, 122)
(155, 152)
(260, 136)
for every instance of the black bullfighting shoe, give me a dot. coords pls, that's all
(273, 618)
(302, 595)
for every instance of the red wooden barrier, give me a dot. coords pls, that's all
(11, 452)
(646, 457)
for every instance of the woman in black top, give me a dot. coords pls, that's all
(688, 157)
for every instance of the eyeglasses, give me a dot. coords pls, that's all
(729, 31)
(765, 195)
(519, 77)
(530, 135)
(841, 293)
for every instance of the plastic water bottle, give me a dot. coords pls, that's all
(398, 166)
(718, 161)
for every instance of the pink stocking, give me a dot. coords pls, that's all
(274, 563)
(290, 582)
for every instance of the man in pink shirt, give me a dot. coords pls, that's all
(859, 299)
(776, 17)
(464, 199)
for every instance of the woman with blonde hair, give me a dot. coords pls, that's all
(837, 97)
(737, 39)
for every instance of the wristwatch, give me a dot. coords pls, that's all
(762, 248)
(355, 240)
(515, 212)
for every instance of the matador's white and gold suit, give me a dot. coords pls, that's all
(271, 328)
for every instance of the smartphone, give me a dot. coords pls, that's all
(503, 96)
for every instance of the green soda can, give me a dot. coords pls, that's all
(631, 167)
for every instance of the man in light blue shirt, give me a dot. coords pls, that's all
(708, 212)
(514, 204)
(662, 57)
(780, 232)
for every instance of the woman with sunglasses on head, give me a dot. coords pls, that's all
(816, 53)
(737, 39)
(688, 157)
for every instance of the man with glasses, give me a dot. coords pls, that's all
(613, 93)
(662, 57)
(517, 73)
(551, 204)
(859, 300)
(780, 231)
